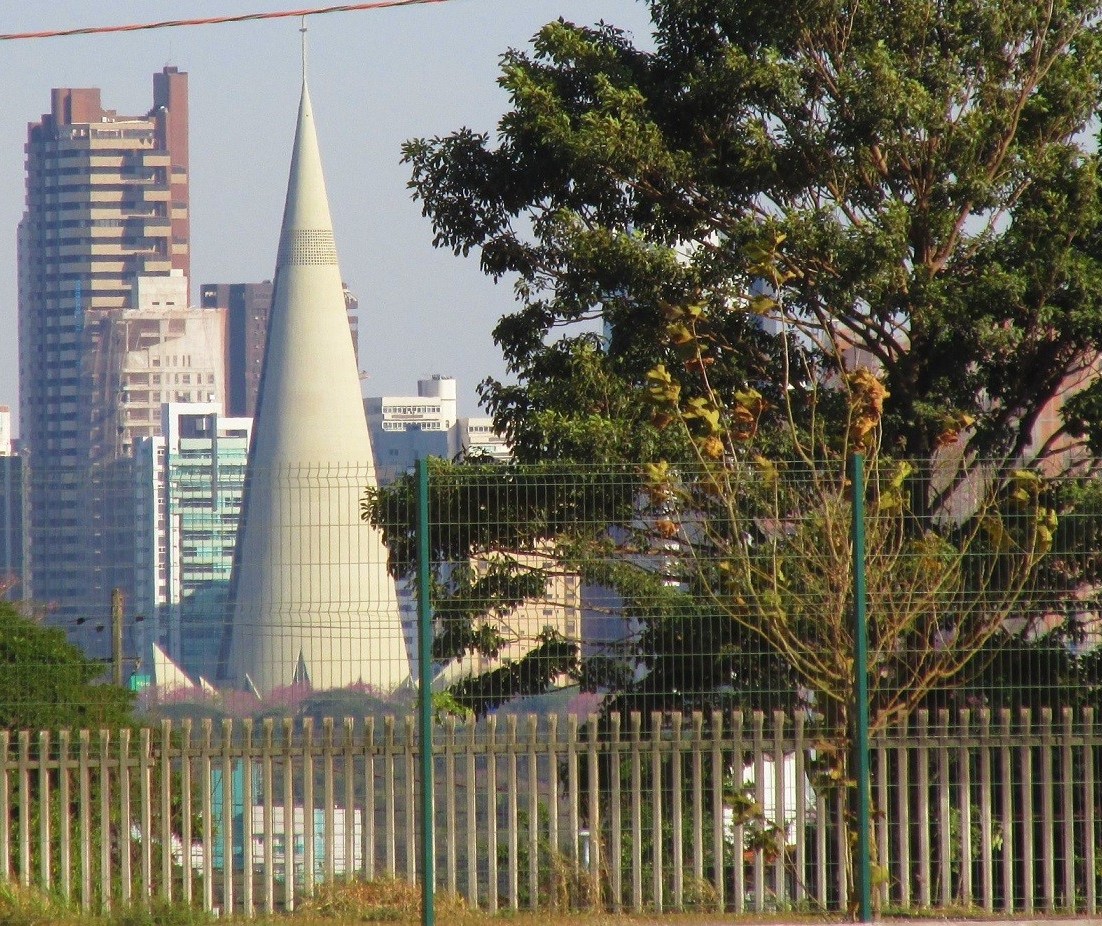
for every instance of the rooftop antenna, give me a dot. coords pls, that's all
(302, 29)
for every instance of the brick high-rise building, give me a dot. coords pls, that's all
(107, 201)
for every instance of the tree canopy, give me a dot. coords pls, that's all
(928, 165)
(47, 683)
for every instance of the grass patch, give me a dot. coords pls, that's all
(385, 900)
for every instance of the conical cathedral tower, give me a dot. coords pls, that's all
(311, 590)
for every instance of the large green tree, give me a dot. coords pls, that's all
(929, 165)
(710, 237)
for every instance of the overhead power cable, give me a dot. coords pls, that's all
(215, 20)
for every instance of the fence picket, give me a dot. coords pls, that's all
(185, 810)
(349, 768)
(1006, 810)
(471, 784)
(267, 792)
(65, 826)
(166, 810)
(719, 870)
(1048, 842)
(697, 789)
(390, 835)
(739, 853)
(84, 789)
(925, 885)
(328, 796)
(987, 842)
(106, 875)
(1091, 791)
(944, 841)
(5, 808)
(533, 813)
(227, 817)
(676, 830)
(780, 893)
(636, 813)
(45, 880)
(24, 778)
(451, 837)
(248, 801)
(799, 747)
(511, 812)
(410, 815)
(491, 814)
(1067, 807)
(572, 798)
(656, 812)
(126, 873)
(758, 746)
(615, 849)
(1025, 759)
(206, 804)
(903, 816)
(369, 799)
(289, 814)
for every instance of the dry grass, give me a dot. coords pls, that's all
(382, 900)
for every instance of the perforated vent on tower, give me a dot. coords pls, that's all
(307, 247)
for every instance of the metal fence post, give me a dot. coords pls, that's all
(424, 659)
(861, 691)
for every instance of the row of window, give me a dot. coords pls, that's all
(411, 410)
(116, 222)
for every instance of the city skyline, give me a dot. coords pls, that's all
(435, 312)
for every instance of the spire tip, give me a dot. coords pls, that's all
(302, 29)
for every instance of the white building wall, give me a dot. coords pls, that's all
(5, 431)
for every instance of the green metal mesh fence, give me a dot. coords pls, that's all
(643, 680)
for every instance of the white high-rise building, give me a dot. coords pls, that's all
(189, 485)
(313, 602)
(406, 428)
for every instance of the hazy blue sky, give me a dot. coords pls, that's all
(376, 79)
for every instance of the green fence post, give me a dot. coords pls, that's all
(861, 691)
(424, 662)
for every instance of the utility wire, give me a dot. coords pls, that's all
(214, 20)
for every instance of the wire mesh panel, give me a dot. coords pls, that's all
(671, 596)
(202, 608)
(643, 682)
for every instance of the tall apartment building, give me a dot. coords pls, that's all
(160, 350)
(247, 307)
(190, 479)
(107, 201)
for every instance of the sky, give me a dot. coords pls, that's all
(376, 79)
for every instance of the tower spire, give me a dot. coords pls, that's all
(310, 584)
(302, 29)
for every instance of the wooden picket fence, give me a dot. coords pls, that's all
(733, 812)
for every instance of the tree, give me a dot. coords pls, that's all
(47, 683)
(927, 164)
(787, 232)
(774, 198)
